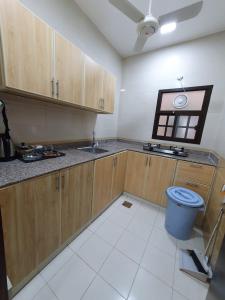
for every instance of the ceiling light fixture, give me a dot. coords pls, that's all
(167, 28)
(122, 90)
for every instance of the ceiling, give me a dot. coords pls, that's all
(121, 31)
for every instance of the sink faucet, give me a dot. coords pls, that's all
(93, 139)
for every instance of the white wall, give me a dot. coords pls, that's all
(59, 123)
(201, 62)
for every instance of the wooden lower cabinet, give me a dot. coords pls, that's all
(102, 193)
(159, 177)
(76, 197)
(109, 175)
(120, 163)
(31, 224)
(135, 173)
(148, 176)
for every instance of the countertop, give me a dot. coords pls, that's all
(16, 171)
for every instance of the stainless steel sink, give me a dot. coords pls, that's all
(93, 150)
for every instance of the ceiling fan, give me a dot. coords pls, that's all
(148, 25)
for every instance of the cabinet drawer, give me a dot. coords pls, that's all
(199, 173)
(202, 190)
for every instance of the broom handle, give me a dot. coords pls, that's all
(214, 234)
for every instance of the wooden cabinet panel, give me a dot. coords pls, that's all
(93, 84)
(31, 224)
(102, 193)
(46, 195)
(77, 191)
(202, 190)
(69, 71)
(27, 49)
(159, 177)
(109, 89)
(135, 173)
(194, 172)
(120, 163)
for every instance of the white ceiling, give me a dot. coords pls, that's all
(121, 31)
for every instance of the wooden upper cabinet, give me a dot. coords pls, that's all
(94, 74)
(120, 163)
(76, 195)
(109, 89)
(26, 44)
(136, 173)
(69, 71)
(31, 224)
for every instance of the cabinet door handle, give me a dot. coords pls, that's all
(146, 161)
(195, 166)
(53, 87)
(149, 162)
(103, 103)
(100, 103)
(116, 159)
(57, 182)
(63, 181)
(57, 88)
(192, 184)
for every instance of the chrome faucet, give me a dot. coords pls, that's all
(93, 139)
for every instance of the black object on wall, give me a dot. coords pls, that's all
(217, 287)
(3, 279)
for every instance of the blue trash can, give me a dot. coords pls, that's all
(182, 208)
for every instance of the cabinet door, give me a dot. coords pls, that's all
(135, 173)
(31, 224)
(159, 177)
(120, 162)
(27, 49)
(93, 84)
(109, 90)
(103, 174)
(45, 192)
(69, 71)
(77, 191)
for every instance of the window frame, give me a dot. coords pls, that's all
(201, 114)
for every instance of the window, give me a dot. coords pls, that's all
(181, 113)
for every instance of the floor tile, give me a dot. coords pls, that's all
(160, 264)
(45, 294)
(56, 264)
(147, 215)
(189, 287)
(119, 271)
(148, 287)
(160, 220)
(138, 227)
(163, 241)
(80, 240)
(31, 289)
(120, 218)
(95, 251)
(97, 223)
(132, 246)
(72, 280)
(177, 296)
(110, 232)
(100, 290)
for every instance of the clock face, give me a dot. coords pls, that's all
(180, 101)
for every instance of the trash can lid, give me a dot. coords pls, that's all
(185, 196)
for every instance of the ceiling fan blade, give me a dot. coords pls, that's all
(128, 9)
(182, 14)
(141, 40)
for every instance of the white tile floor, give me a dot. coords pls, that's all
(125, 254)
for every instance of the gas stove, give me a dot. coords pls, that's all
(170, 150)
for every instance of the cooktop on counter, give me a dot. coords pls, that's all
(170, 150)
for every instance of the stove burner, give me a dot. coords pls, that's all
(170, 150)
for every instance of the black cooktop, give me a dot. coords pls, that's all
(170, 150)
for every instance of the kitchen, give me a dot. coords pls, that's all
(70, 80)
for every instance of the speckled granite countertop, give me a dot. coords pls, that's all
(17, 171)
